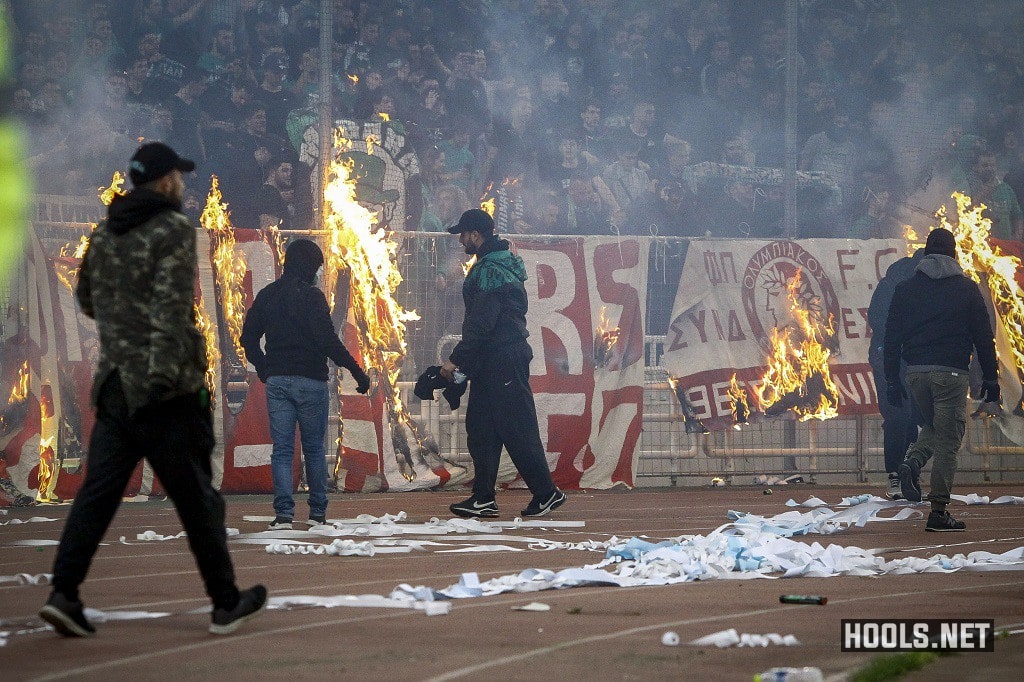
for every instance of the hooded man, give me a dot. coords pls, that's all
(935, 320)
(495, 355)
(293, 315)
(136, 280)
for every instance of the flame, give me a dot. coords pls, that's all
(47, 472)
(986, 264)
(67, 274)
(354, 78)
(116, 189)
(487, 201)
(228, 264)
(384, 116)
(371, 140)
(606, 338)
(913, 241)
(20, 390)
(205, 327)
(740, 409)
(367, 252)
(277, 241)
(798, 375)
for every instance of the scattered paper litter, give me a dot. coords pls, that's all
(33, 519)
(532, 606)
(730, 638)
(27, 579)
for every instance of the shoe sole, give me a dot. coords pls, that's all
(280, 526)
(945, 530)
(908, 486)
(235, 624)
(62, 623)
(467, 514)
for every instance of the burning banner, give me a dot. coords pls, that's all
(361, 252)
(758, 326)
(999, 274)
(798, 376)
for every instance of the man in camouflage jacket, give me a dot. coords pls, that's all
(136, 280)
(495, 355)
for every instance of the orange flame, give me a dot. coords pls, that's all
(371, 140)
(19, 391)
(47, 472)
(606, 338)
(353, 77)
(740, 410)
(277, 241)
(990, 267)
(798, 376)
(205, 327)
(116, 189)
(228, 264)
(384, 116)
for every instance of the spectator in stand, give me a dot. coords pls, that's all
(666, 210)
(274, 204)
(552, 108)
(584, 211)
(721, 62)
(834, 153)
(643, 132)
(218, 59)
(276, 99)
(985, 186)
(627, 177)
(366, 52)
(880, 220)
(594, 141)
(746, 212)
(460, 166)
(464, 91)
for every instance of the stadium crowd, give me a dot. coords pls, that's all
(578, 116)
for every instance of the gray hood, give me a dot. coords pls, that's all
(937, 266)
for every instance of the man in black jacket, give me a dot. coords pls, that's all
(899, 422)
(936, 318)
(293, 315)
(495, 355)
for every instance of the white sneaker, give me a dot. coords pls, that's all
(894, 492)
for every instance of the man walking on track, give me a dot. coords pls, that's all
(936, 318)
(495, 356)
(136, 280)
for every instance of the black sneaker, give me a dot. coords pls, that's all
(910, 480)
(474, 508)
(250, 603)
(539, 507)
(942, 522)
(280, 523)
(67, 617)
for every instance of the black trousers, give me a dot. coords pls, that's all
(899, 422)
(176, 437)
(501, 412)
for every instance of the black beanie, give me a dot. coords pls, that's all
(302, 259)
(941, 242)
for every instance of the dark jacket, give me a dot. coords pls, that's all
(878, 309)
(294, 316)
(935, 319)
(137, 280)
(496, 306)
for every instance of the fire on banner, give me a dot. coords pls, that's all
(733, 299)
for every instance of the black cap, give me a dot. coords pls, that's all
(154, 160)
(942, 242)
(474, 220)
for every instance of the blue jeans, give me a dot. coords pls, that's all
(298, 400)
